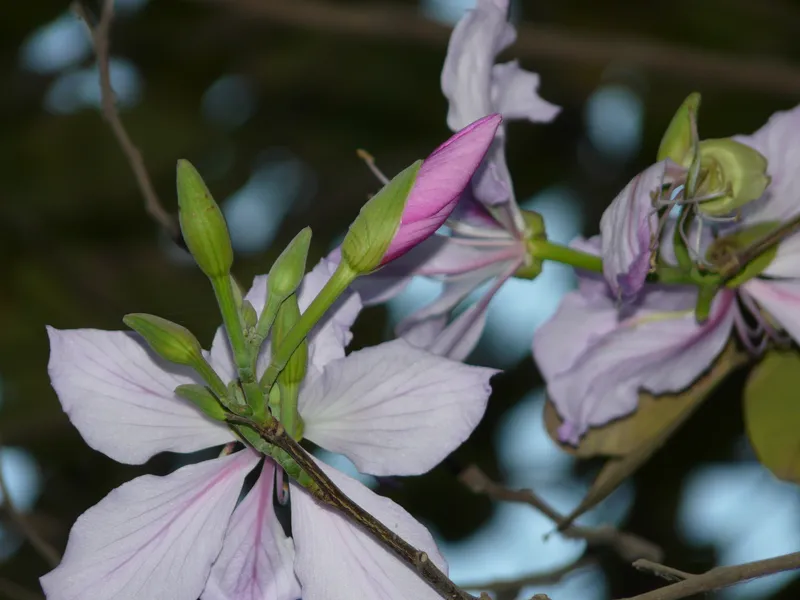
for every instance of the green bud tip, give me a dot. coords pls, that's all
(167, 339)
(289, 268)
(679, 137)
(202, 223)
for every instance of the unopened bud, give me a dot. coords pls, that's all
(678, 139)
(167, 339)
(735, 171)
(202, 223)
(288, 269)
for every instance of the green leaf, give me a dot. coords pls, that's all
(633, 440)
(772, 413)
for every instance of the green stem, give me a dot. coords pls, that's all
(544, 250)
(290, 417)
(341, 278)
(211, 378)
(242, 355)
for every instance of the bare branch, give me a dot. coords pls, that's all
(382, 21)
(513, 586)
(628, 546)
(662, 571)
(45, 550)
(718, 578)
(100, 39)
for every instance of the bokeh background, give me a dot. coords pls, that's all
(271, 99)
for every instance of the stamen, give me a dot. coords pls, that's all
(370, 161)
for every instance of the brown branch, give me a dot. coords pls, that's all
(719, 577)
(662, 571)
(628, 546)
(513, 586)
(45, 550)
(99, 33)
(383, 21)
(328, 493)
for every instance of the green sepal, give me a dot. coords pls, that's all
(534, 230)
(735, 171)
(289, 268)
(677, 142)
(169, 340)
(202, 223)
(725, 249)
(679, 247)
(373, 230)
(203, 399)
(705, 298)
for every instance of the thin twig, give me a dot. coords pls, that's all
(99, 33)
(628, 546)
(501, 586)
(328, 493)
(663, 571)
(45, 550)
(383, 21)
(722, 577)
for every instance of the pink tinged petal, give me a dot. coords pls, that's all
(515, 94)
(595, 365)
(473, 214)
(627, 229)
(467, 72)
(779, 141)
(455, 291)
(257, 558)
(337, 560)
(781, 299)
(121, 398)
(461, 336)
(423, 333)
(492, 182)
(153, 537)
(440, 181)
(394, 409)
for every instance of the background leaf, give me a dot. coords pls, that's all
(772, 413)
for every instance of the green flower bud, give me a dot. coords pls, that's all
(249, 315)
(167, 339)
(679, 137)
(288, 315)
(289, 268)
(373, 230)
(203, 399)
(535, 230)
(734, 170)
(724, 250)
(202, 223)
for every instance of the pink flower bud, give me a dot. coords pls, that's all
(440, 181)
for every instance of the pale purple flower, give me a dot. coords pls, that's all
(630, 226)
(475, 86)
(487, 240)
(392, 409)
(596, 356)
(440, 181)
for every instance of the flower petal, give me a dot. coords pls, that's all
(467, 72)
(778, 141)
(257, 558)
(153, 537)
(627, 229)
(781, 299)
(121, 398)
(515, 94)
(595, 364)
(459, 338)
(337, 560)
(440, 181)
(394, 409)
